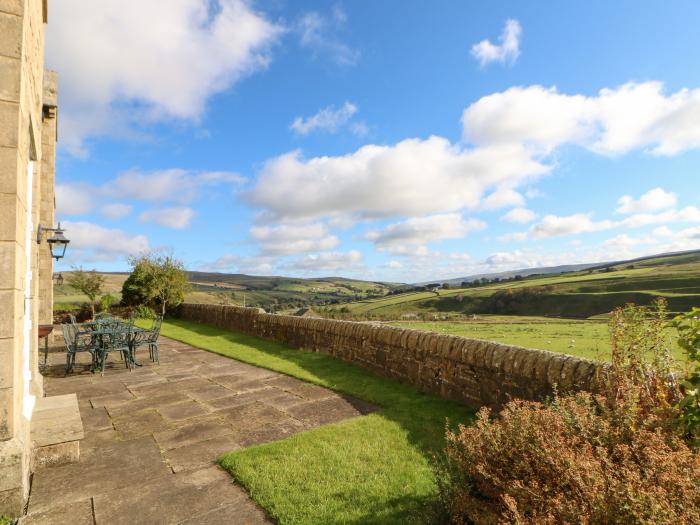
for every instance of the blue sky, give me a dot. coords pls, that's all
(391, 140)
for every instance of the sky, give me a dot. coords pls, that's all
(396, 140)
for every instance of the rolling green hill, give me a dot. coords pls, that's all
(271, 293)
(578, 295)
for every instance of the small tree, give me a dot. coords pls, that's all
(156, 279)
(88, 283)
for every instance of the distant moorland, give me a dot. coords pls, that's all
(562, 312)
(281, 294)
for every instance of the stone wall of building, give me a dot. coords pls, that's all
(475, 372)
(46, 194)
(21, 155)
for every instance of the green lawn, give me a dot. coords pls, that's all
(373, 469)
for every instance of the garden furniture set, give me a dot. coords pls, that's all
(107, 334)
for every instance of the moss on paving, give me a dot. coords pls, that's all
(372, 469)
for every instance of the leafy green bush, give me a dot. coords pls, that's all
(106, 302)
(613, 456)
(688, 326)
(144, 312)
(157, 280)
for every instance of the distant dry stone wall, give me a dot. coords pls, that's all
(475, 372)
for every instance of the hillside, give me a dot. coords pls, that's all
(524, 272)
(269, 292)
(579, 294)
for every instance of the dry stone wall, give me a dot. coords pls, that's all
(475, 372)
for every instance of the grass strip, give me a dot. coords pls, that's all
(370, 470)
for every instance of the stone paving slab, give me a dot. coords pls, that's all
(200, 454)
(79, 513)
(152, 437)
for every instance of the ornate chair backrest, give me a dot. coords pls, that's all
(66, 330)
(155, 329)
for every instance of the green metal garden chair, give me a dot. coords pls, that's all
(149, 338)
(76, 342)
(114, 340)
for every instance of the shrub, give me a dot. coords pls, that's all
(144, 312)
(688, 326)
(157, 280)
(613, 456)
(106, 302)
(567, 463)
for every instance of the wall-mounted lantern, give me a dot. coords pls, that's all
(57, 242)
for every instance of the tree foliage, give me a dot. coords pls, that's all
(156, 280)
(88, 283)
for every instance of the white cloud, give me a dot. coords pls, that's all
(626, 241)
(172, 185)
(653, 200)
(555, 225)
(161, 186)
(401, 237)
(328, 119)
(509, 259)
(662, 231)
(616, 121)
(176, 217)
(502, 198)
(117, 210)
(412, 178)
(73, 199)
(289, 239)
(507, 51)
(687, 214)
(346, 262)
(147, 61)
(359, 128)
(394, 265)
(240, 264)
(92, 242)
(519, 216)
(318, 34)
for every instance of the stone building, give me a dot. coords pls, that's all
(28, 113)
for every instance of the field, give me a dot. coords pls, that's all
(574, 295)
(585, 338)
(281, 294)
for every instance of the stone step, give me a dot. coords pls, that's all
(56, 431)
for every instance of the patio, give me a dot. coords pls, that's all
(152, 436)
